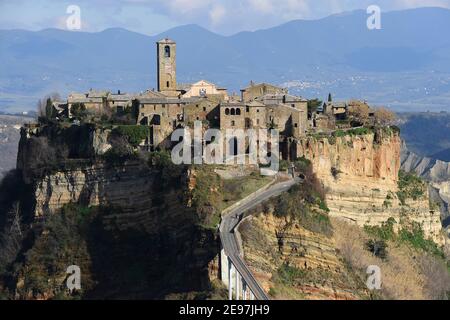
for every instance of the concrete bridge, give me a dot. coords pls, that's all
(235, 274)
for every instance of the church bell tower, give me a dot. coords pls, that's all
(166, 55)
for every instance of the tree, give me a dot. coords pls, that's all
(384, 116)
(45, 105)
(49, 108)
(313, 104)
(359, 112)
(79, 111)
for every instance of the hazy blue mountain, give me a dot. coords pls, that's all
(405, 65)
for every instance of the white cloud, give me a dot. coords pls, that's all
(216, 14)
(223, 16)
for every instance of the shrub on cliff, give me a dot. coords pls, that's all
(410, 186)
(61, 243)
(207, 196)
(302, 200)
(133, 133)
(170, 173)
(79, 111)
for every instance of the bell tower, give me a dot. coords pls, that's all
(166, 55)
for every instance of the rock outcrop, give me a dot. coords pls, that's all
(142, 216)
(270, 242)
(436, 172)
(360, 175)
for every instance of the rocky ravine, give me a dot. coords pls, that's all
(436, 172)
(360, 174)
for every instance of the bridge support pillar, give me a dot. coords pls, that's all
(237, 277)
(244, 290)
(230, 280)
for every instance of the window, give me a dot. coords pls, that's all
(167, 51)
(168, 84)
(232, 123)
(247, 109)
(233, 111)
(227, 111)
(204, 108)
(257, 110)
(293, 105)
(296, 125)
(238, 112)
(257, 121)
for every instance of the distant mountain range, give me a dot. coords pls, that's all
(406, 65)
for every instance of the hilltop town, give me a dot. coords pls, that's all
(259, 106)
(95, 182)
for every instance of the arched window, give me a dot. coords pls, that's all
(238, 112)
(227, 111)
(233, 111)
(167, 51)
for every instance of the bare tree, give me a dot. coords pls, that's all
(384, 116)
(11, 237)
(359, 112)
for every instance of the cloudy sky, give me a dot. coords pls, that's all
(155, 16)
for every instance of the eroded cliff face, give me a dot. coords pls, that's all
(270, 242)
(144, 239)
(437, 173)
(360, 174)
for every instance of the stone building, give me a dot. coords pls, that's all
(203, 88)
(172, 106)
(119, 102)
(93, 101)
(254, 91)
(167, 67)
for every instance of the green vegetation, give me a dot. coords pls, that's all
(169, 173)
(212, 194)
(288, 278)
(313, 105)
(415, 237)
(303, 201)
(239, 188)
(288, 274)
(353, 132)
(79, 111)
(134, 134)
(61, 244)
(383, 232)
(207, 196)
(411, 235)
(410, 187)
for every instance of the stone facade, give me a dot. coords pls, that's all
(166, 54)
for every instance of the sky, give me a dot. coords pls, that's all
(155, 16)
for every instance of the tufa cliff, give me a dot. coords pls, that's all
(130, 223)
(360, 173)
